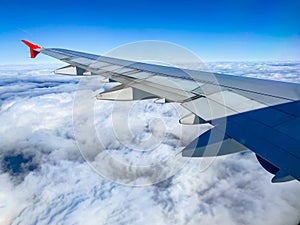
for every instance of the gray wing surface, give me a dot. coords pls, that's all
(248, 113)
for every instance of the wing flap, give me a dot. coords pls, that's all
(123, 93)
(213, 142)
(167, 92)
(208, 109)
(181, 84)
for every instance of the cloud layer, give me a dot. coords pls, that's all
(45, 180)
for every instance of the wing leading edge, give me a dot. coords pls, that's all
(247, 113)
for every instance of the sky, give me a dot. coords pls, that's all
(232, 30)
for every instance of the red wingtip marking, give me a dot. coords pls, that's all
(34, 49)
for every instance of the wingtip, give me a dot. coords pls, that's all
(34, 49)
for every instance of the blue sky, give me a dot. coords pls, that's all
(215, 30)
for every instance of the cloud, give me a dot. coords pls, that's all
(283, 71)
(45, 180)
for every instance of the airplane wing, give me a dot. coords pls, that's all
(246, 113)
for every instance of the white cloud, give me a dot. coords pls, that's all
(283, 71)
(54, 185)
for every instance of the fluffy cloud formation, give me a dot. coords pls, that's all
(45, 180)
